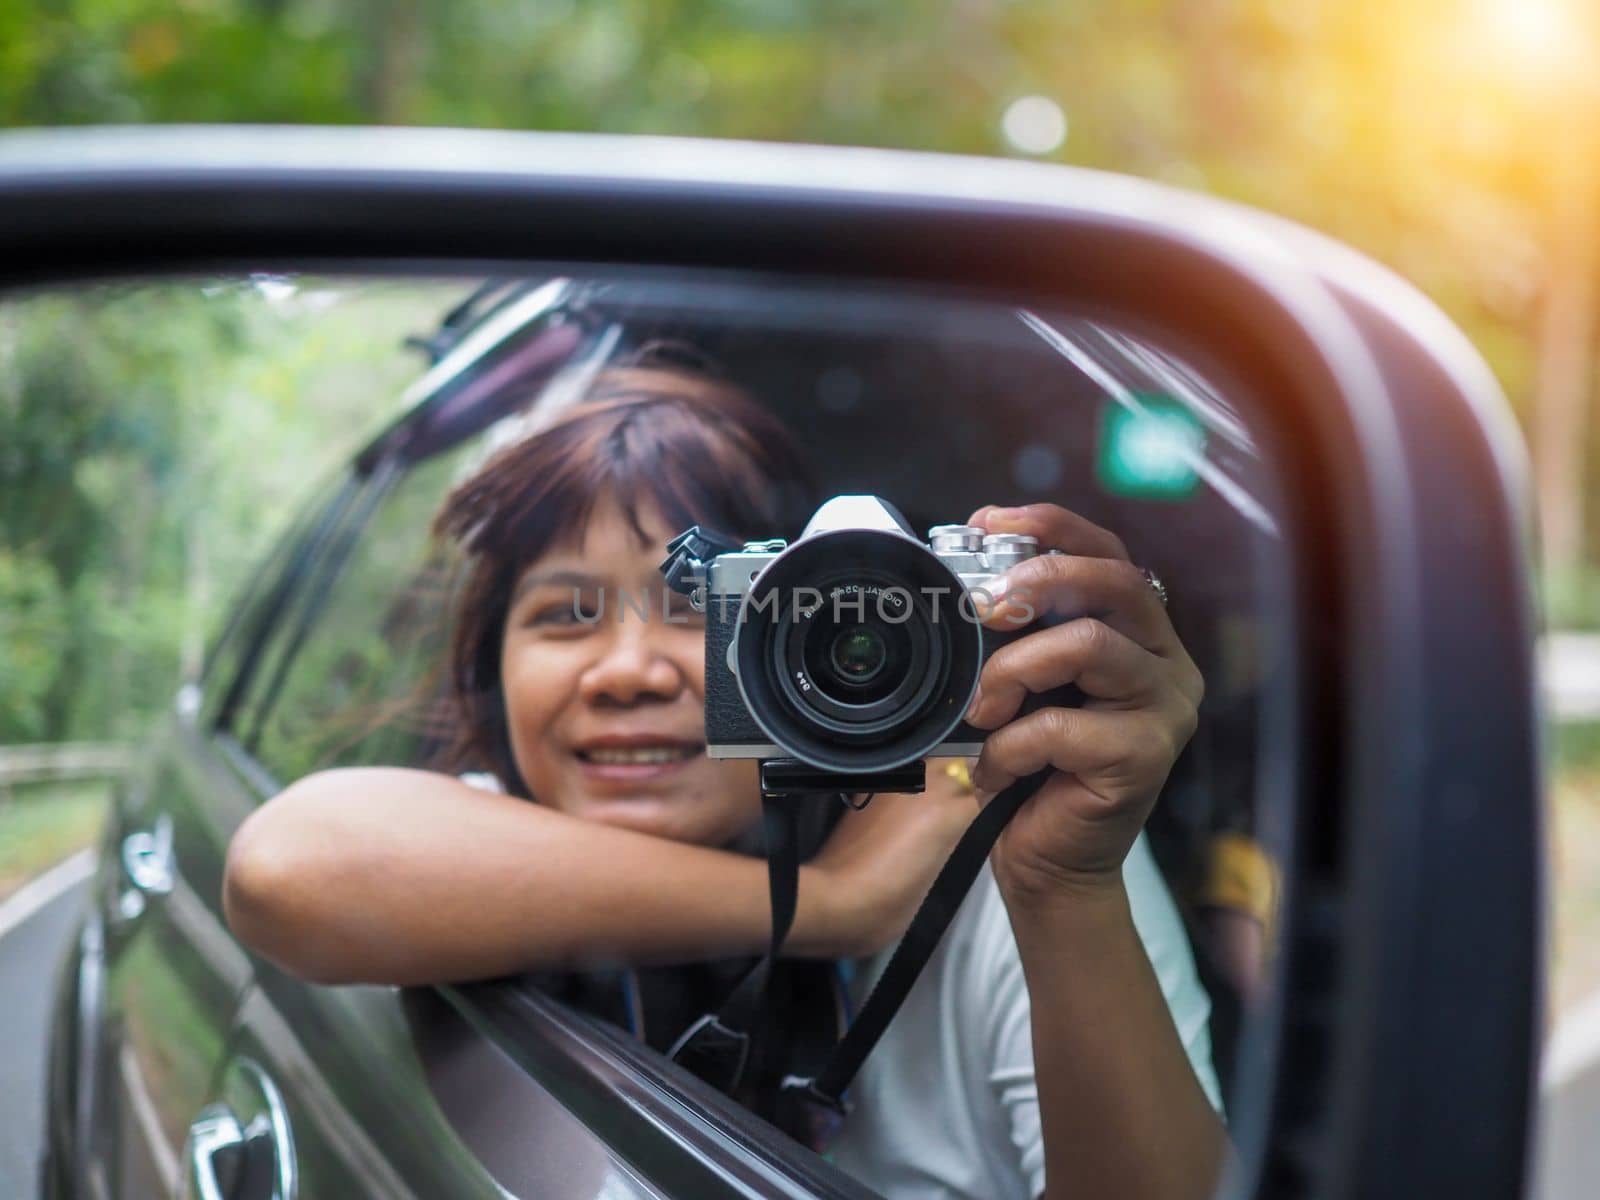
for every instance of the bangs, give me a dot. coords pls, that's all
(709, 457)
(668, 460)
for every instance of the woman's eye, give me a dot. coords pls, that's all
(553, 616)
(569, 613)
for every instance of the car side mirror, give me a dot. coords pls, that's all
(1393, 773)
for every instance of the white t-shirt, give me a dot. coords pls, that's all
(946, 1104)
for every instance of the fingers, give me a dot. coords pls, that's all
(1106, 664)
(1111, 590)
(1115, 754)
(1092, 576)
(1056, 528)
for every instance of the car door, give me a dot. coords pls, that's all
(174, 975)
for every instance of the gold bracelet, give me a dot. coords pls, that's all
(961, 773)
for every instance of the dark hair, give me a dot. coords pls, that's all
(678, 439)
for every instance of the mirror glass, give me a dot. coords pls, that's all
(385, 522)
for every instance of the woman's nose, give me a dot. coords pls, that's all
(633, 666)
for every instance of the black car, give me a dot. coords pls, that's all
(1307, 455)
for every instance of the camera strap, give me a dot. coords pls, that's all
(921, 938)
(718, 1047)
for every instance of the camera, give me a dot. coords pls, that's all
(856, 649)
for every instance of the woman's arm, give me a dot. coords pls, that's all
(387, 875)
(1122, 1111)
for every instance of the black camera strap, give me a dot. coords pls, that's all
(921, 938)
(719, 1046)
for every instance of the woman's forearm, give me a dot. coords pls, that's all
(1122, 1111)
(396, 876)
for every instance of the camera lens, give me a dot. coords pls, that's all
(852, 654)
(854, 664)
(858, 654)
(857, 670)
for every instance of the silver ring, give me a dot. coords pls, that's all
(1159, 588)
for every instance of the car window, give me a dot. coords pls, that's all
(940, 411)
(352, 681)
(244, 638)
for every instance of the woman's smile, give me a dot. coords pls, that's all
(635, 758)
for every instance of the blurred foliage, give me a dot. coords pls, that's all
(1570, 598)
(1577, 747)
(1411, 130)
(157, 437)
(42, 824)
(1422, 132)
(368, 671)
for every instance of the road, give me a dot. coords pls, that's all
(35, 925)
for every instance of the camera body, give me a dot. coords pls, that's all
(857, 648)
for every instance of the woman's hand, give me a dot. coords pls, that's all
(880, 861)
(1112, 755)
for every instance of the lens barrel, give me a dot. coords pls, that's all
(852, 652)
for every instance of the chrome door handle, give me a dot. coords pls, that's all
(241, 1148)
(147, 862)
(147, 858)
(215, 1154)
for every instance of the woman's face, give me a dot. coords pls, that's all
(607, 717)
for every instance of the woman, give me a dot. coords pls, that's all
(628, 856)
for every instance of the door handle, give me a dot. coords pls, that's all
(227, 1160)
(215, 1154)
(147, 863)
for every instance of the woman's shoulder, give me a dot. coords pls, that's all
(486, 781)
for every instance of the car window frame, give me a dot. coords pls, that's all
(677, 1131)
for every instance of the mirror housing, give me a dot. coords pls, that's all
(1398, 1052)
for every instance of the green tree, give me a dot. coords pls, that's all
(134, 488)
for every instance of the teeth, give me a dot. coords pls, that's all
(634, 756)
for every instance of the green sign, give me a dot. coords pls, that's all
(1149, 449)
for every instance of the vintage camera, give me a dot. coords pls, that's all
(857, 649)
